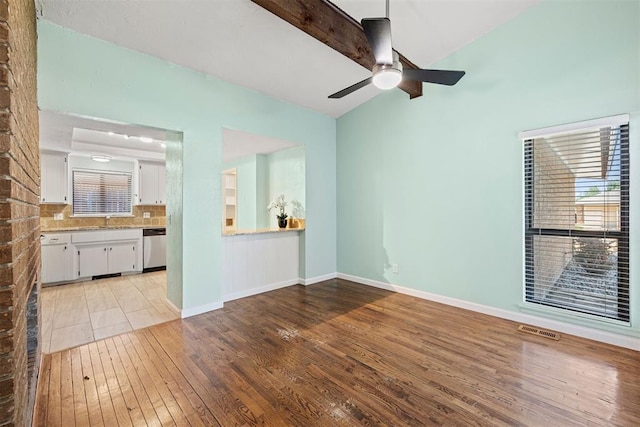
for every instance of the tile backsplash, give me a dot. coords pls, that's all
(47, 221)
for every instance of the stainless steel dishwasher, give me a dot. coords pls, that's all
(154, 251)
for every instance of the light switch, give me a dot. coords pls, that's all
(58, 217)
(146, 215)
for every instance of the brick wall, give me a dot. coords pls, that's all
(19, 197)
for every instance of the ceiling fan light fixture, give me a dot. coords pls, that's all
(387, 79)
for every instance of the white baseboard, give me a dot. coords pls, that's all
(259, 290)
(193, 311)
(318, 279)
(607, 337)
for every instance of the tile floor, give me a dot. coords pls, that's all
(83, 312)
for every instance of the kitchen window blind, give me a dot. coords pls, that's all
(577, 221)
(101, 193)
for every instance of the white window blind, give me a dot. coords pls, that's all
(577, 221)
(101, 193)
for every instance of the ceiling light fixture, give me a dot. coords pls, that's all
(100, 158)
(111, 133)
(146, 139)
(388, 76)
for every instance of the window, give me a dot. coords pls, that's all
(101, 193)
(577, 219)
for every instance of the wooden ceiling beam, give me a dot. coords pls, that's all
(329, 24)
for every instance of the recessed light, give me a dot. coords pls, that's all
(100, 158)
(111, 133)
(126, 136)
(146, 139)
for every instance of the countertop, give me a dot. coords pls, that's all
(101, 228)
(259, 231)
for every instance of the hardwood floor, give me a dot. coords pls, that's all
(338, 353)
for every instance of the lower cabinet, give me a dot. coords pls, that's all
(57, 258)
(81, 255)
(110, 258)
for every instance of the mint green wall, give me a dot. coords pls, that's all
(262, 191)
(246, 182)
(286, 176)
(435, 184)
(83, 75)
(173, 155)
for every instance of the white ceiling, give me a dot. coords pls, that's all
(69, 133)
(237, 144)
(239, 42)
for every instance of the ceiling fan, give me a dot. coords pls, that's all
(388, 72)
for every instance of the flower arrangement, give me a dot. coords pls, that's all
(279, 203)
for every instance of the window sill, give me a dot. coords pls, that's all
(571, 316)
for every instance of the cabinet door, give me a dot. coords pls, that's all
(55, 265)
(93, 260)
(122, 257)
(162, 185)
(148, 182)
(53, 176)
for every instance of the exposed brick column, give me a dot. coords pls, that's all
(19, 198)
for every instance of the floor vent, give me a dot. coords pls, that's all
(540, 332)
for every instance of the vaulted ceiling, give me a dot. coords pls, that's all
(242, 43)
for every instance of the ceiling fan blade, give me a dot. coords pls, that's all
(441, 77)
(378, 32)
(351, 89)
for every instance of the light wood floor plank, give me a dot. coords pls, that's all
(125, 366)
(40, 411)
(90, 391)
(120, 397)
(102, 388)
(133, 402)
(339, 353)
(79, 396)
(144, 374)
(134, 342)
(54, 407)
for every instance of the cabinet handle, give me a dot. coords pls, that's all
(65, 248)
(105, 249)
(110, 249)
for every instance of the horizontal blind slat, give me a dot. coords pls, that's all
(101, 193)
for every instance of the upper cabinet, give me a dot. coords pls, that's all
(153, 189)
(53, 178)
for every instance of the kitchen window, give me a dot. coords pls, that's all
(97, 193)
(577, 218)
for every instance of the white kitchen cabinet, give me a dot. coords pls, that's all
(107, 258)
(122, 257)
(57, 258)
(53, 178)
(107, 252)
(92, 260)
(152, 184)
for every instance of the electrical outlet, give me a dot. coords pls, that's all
(58, 217)
(146, 215)
(394, 268)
